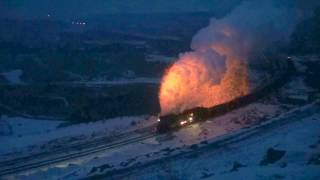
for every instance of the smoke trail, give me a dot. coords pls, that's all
(255, 23)
(216, 70)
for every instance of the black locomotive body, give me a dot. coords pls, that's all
(198, 114)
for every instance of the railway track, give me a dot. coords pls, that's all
(71, 152)
(78, 145)
(219, 143)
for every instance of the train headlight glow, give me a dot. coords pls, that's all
(158, 120)
(183, 123)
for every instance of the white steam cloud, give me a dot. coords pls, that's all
(253, 26)
(216, 70)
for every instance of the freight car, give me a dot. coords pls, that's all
(198, 114)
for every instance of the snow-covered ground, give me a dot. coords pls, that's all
(108, 42)
(141, 80)
(159, 58)
(291, 151)
(201, 155)
(23, 133)
(13, 76)
(18, 127)
(159, 146)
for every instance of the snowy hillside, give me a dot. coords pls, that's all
(291, 151)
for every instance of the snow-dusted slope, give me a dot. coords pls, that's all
(22, 133)
(291, 151)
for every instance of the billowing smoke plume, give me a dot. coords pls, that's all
(255, 24)
(216, 70)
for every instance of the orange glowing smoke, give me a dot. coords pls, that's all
(199, 79)
(191, 82)
(179, 92)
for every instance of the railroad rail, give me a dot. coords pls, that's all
(73, 151)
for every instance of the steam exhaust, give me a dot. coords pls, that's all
(216, 70)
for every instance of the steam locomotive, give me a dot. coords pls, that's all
(198, 114)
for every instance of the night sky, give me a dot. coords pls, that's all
(80, 8)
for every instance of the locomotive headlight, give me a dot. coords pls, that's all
(158, 119)
(183, 123)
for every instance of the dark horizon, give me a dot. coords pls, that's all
(76, 9)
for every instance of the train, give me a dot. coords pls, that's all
(175, 121)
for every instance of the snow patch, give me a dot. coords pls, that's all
(29, 132)
(141, 80)
(14, 76)
(159, 58)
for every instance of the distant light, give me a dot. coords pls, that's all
(78, 23)
(158, 120)
(183, 123)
